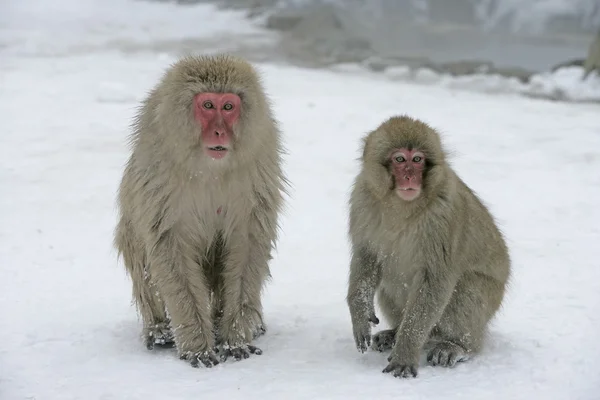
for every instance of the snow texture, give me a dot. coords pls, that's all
(68, 330)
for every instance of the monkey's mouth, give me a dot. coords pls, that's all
(408, 193)
(217, 148)
(217, 152)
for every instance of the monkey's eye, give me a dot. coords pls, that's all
(208, 105)
(399, 159)
(417, 158)
(228, 106)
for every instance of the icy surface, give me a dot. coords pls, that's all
(68, 330)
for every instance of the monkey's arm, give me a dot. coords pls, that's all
(430, 293)
(245, 271)
(365, 276)
(186, 295)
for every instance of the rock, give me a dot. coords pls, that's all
(576, 62)
(592, 61)
(283, 20)
(466, 67)
(521, 74)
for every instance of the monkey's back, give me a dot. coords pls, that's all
(478, 243)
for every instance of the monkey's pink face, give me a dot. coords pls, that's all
(407, 168)
(217, 113)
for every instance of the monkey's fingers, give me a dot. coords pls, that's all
(363, 341)
(260, 330)
(373, 318)
(239, 353)
(401, 370)
(159, 335)
(254, 350)
(446, 354)
(207, 358)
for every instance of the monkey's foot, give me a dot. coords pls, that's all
(384, 340)
(446, 354)
(401, 371)
(239, 352)
(159, 334)
(207, 358)
(400, 368)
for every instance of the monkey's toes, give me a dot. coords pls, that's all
(384, 340)
(159, 334)
(401, 370)
(446, 354)
(239, 352)
(206, 358)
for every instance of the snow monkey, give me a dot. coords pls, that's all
(426, 245)
(199, 204)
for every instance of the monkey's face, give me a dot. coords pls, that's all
(407, 168)
(217, 114)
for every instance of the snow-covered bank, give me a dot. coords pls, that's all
(68, 330)
(564, 84)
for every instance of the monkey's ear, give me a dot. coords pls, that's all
(364, 146)
(378, 179)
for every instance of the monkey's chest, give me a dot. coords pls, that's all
(206, 216)
(399, 258)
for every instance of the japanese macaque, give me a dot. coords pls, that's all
(199, 204)
(426, 245)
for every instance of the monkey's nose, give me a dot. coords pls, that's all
(217, 133)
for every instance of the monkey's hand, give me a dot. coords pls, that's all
(158, 334)
(239, 352)
(402, 367)
(207, 358)
(361, 328)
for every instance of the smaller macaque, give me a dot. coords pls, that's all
(425, 244)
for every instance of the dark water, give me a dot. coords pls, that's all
(403, 32)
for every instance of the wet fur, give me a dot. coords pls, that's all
(193, 269)
(438, 265)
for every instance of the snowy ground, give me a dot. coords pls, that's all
(68, 330)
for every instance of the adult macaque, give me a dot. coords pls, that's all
(426, 245)
(199, 204)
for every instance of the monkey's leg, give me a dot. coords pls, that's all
(244, 272)
(430, 293)
(157, 328)
(176, 272)
(461, 329)
(146, 297)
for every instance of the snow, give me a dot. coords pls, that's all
(564, 84)
(68, 329)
